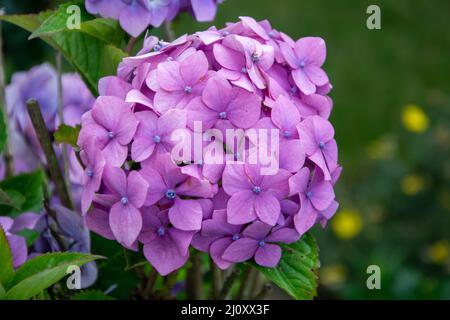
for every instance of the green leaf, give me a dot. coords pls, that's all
(6, 259)
(106, 30)
(29, 235)
(12, 199)
(3, 132)
(297, 271)
(67, 134)
(57, 21)
(43, 271)
(91, 295)
(89, 55)
(27, 185)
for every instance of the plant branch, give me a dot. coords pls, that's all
(61, 115)
(130, 46)
(9, 160)
(228, 284)
(46, 144)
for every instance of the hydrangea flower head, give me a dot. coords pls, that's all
(188, 120)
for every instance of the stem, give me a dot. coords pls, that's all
(151, 280)
(229, 281)
(194, 278)
(267, 288)
(9, 160)
(256, 282)
(168, 31)
(53, 226)
(61, 115)
(244, 283)
(216, 276)
(130, 46)
(46, 144)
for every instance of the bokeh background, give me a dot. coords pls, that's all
(392, 120)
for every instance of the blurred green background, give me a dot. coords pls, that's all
(392, 120)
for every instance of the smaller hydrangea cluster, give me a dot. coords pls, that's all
(40, 83)
(135, 16)
(247, 76)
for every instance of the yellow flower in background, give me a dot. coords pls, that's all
(333, 275)
(412, 184)
(414, 119)
(439, 252)
(346, 224)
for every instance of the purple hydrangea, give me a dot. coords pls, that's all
(135, 16)
(163, 170)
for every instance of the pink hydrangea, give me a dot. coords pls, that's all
(143, 185)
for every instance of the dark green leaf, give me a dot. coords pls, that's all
(29, 186)
(91, 295)
(2, 292)
(297, 271)
(6, 259)
(43, 271)
(12, 199)
(67, 134)
(91, 57)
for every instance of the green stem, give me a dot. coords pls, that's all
(228, 284)
(168, 31)
(244, 283)
(194, 278)
(46, 144)
(216, 276)
(267, 288)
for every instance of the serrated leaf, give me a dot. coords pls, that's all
(91, 57)
(106, 30)
(91, 295)
(3, 132)
(296, 272)
(29, 186)
(43, 271)
(6, 259)
(57, 21)
(67, 134)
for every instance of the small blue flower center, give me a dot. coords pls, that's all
(111, 135)
(309, 194)
(226, 33)
(294, 89)
(287, 134)
(255, 58)
(157, 139)
(158, 46)
(187, 90)
(256, 190)
(272, 33)
(244, 70)
(200, 162)
(90, 173)
(321, 145)
(262, 243)
(170, 194)
(223, 115)
(161, 231)
(235, 237)
(302, 64)
(124, 200)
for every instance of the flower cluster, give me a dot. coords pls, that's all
(135, 16)
(40, 83)
(142, 186)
